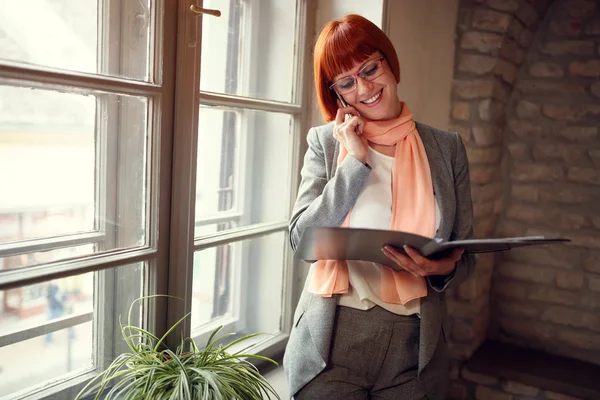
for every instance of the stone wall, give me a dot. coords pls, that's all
(549, 297)
(493, 37)
(484, 387)
(525, 100)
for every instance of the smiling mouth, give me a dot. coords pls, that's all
(374, 98)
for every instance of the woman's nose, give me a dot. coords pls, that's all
(363, 85)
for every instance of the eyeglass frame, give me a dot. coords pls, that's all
(358, 75)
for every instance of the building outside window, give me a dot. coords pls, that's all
(143, 149)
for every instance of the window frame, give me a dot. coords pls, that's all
(170, 169)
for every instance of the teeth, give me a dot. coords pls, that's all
(372, 99)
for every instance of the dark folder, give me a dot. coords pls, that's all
(366, 244)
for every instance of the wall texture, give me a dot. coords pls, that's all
(423, 34)
(549, 297)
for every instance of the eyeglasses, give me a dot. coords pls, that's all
(371, 70)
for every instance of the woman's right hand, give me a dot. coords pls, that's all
(348, 131)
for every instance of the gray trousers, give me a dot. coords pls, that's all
(374, 355)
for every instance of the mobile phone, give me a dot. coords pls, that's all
(341, 99)
(344, 104)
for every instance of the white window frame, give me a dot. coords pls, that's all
(167, 255)
(244, 104)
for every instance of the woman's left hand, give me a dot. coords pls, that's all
(418, 265)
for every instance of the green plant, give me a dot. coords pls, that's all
(154, 372)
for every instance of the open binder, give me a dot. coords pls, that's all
(366, 244)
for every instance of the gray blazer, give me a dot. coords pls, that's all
(325, 196)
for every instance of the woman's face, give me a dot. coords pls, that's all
(376, 99)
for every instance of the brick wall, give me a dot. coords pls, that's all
(493, 37)
(484, 387)
(549, 297)
(525, 99)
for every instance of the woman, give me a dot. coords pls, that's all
(362, 330)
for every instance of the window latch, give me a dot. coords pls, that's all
(199, 10)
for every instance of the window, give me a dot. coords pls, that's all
(108, 192)
(246, 135)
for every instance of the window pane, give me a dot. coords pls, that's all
(249, 51)
(86, 36)
(70, 164)
(243, 172)
(54, 322)
(241, 281)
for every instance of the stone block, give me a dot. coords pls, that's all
(546, 256)
(504, 5)
(524, 192)
(481, 174)
(569, 279)
(527, 273)
(559, 152)
(473, 89)
(562, 47)
(490, 110)
(571, 113)
(525, 130)
(556, 296)
(593, 27)
(487, 393)
(478, 378)
(483, 227)
(557, 88)
(486, 155)
(491, 20)
(515, 308)
(486, 135)
(592, 263)
(519, 388)
(566, 27)
(528, 110)
(572, 317)
(483, 42)
(483, 209)
(476, 64)
(464, 130)
(511, 289)
(587, 176)
(595, 284)
(519, 151)
(506, 70)
(526, 38)
(590, 69)
(512, 52)
(486, 193)
(580, 8)
(546, 70)
(528, 172)
(580, 339)
(563, 196)
(595, 89)
(558, 396)
(595, 156)
(460, 111)
(581, 134)
(527, 15)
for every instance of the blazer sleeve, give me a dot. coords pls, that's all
(322, 202)
(463, 221)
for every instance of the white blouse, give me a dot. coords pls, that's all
(373, 209)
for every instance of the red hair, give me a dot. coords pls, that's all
(340, 45)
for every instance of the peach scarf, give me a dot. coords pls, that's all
(413, 210)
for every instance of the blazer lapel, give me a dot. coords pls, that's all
(443, 181)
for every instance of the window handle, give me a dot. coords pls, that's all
(199, 10)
